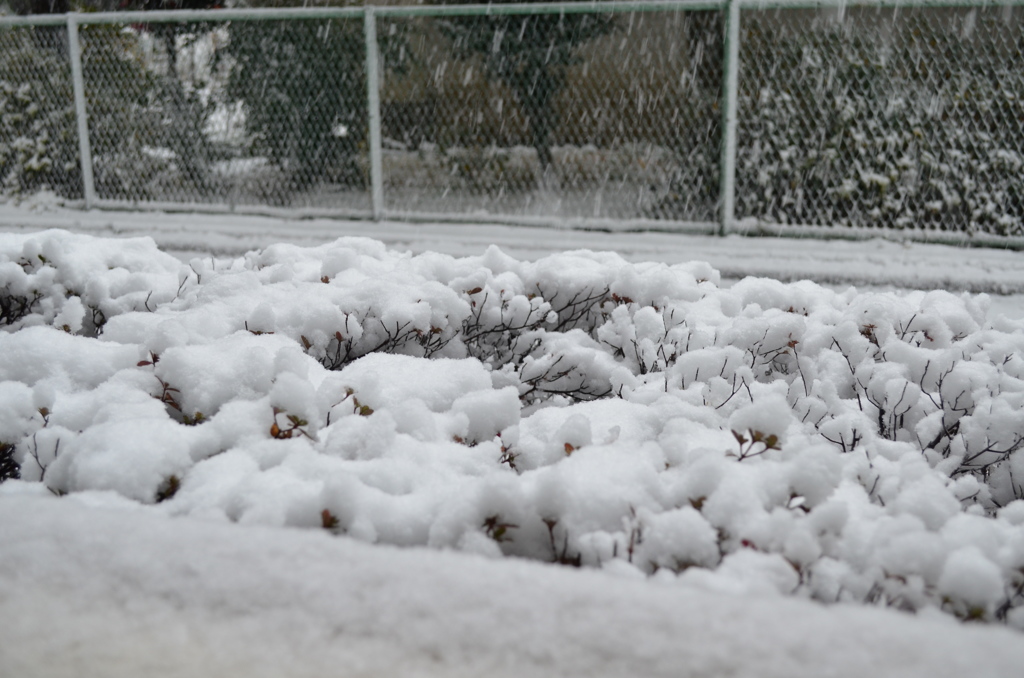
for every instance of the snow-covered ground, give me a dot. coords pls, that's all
(118, 593)
(874, 263)
(243, 442)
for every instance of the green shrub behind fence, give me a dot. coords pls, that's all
(905, 120)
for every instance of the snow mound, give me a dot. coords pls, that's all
(93, 589)
(775, 438)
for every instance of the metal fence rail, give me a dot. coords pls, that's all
(844, 119)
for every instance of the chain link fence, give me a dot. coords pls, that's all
(211, 113)
(607, 114)
(906, 118)
(581, 116)
(38, 140)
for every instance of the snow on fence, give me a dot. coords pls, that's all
(703, 115)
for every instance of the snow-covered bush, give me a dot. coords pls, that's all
(65, 282)
(893, 121)
(577, 409)
(914, 124)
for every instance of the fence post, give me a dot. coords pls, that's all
(373, 102)
(731, 63)
(84, 148)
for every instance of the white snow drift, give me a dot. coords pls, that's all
(114, 592)
(773, 438)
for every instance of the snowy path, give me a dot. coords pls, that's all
(874, 262)
(88, 591)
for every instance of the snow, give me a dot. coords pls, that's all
(98, 588)
(970, 577)
(885, 262)
(718, 458)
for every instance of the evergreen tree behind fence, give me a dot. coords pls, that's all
(704, 115)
